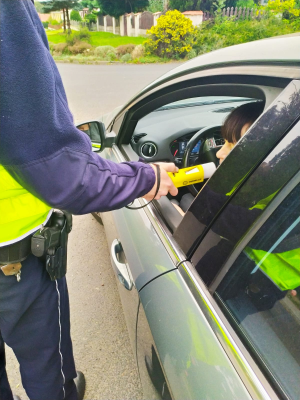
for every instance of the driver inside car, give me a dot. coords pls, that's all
(235, 126)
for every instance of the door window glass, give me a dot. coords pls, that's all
(261, 295)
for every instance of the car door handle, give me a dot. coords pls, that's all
(121, 268)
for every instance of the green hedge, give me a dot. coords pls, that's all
(228, 32)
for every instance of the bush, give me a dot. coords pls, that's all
(51, 47)
(127, 57)
(58, 48)
(285, 6)
(45, 24)
(90, 18)
(111, 56)
(53, 22)
(172, 37)
(138, 51)
(80, 48)
(78, 36)
(124, 49)
(227, 32)
(102, 51)
(75, 16)
(192, 54)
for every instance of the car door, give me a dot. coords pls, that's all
(203, 330)
(138, 252)
(141, 250)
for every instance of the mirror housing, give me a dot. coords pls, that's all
(96, 132)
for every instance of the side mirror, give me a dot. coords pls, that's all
(95, 131)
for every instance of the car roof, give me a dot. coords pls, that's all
(284, 50)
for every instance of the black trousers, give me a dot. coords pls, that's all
(35, 323)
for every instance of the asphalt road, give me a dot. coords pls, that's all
(100, 340)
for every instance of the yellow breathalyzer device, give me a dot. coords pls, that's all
(192, 175)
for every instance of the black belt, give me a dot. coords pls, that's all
(15, 252)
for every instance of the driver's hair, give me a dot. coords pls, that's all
(240, 116)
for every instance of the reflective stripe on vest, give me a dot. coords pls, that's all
(21, 213)
(282, 268)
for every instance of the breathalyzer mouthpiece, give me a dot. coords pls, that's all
(192, 175)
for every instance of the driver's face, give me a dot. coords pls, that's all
(226, 149)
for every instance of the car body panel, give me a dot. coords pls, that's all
(129, 298)
(194, 363)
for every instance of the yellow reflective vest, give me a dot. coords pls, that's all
(21, 213)
(282, 268)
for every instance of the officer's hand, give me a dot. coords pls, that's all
(166, 185)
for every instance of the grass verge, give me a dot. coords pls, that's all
(97, 38)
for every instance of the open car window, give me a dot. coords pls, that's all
(163, 134)
(240, 167)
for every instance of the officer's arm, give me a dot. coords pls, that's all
(39, 144)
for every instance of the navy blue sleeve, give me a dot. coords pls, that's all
(39, 144)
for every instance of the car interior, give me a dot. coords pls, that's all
(187, 131)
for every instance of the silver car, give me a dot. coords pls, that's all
(210, 297)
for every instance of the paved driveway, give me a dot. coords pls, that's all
(101, 343)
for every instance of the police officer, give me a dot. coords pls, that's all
(46, 163)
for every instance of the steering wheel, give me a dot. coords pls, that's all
(202, 134)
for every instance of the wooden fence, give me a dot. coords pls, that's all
(146, 20)
(109, 21)
(138, 24)
(207, 16)
(243, 12)
(237, 13)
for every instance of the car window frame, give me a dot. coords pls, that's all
(125, 122)
(190, 241)
(287, 71)
(214, 311)
(205, 244)
(170, 241)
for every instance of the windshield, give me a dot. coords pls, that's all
(200, 101)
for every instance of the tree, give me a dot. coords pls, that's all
(155, 6)
(185, 5)
(64, 5)
(90, 4)
(246, 3)
(75, 16)
(116, 8)
(38, 7)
